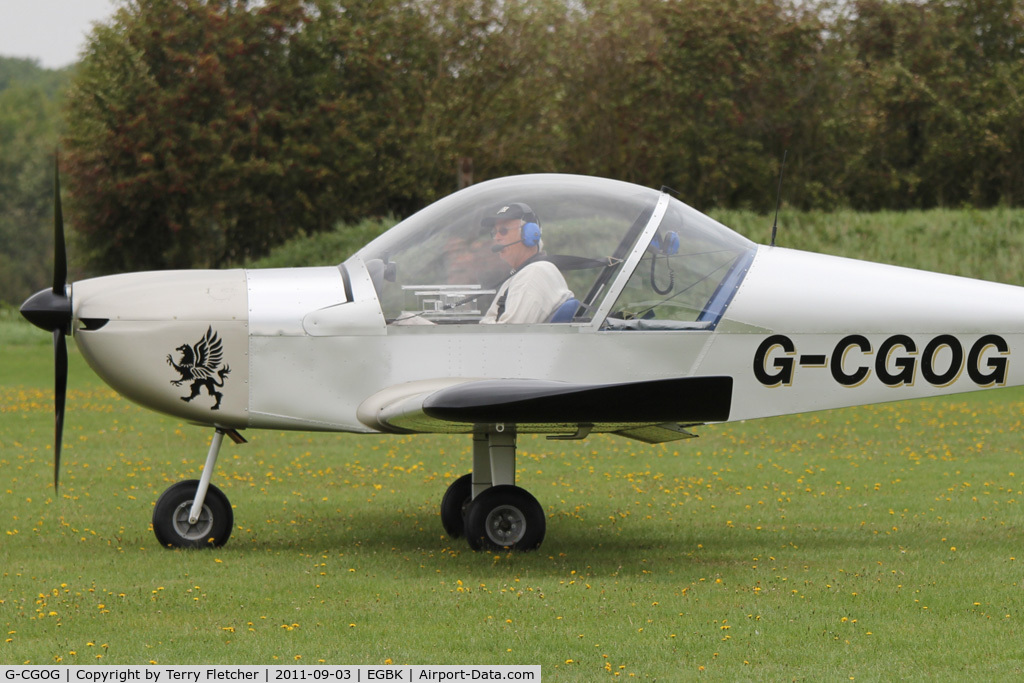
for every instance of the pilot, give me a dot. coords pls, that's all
(535, 287)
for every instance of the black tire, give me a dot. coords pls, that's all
(505, 517)
(170, 517)
(454, 505)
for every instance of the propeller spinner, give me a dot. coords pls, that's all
(50, 309)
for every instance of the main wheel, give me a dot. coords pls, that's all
(170, 517)
(505, 517)
(454, 504)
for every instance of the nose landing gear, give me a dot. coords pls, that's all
(195, 513)
(486, 506)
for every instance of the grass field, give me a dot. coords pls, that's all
(868, 544)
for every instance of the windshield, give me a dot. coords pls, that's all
(443, 264)
(689, 269)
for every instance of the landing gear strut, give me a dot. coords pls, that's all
(486, 506)
(195, 513)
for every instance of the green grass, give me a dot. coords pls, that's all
(16, 331)
(326, 248)
(984, 244)
(874, 543)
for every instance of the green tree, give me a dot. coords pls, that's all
(29, 130)
(989, 48)
(703, 95)
(28, 72)
(612, 81)
(938, 91)
(203, 132)
(206, 131)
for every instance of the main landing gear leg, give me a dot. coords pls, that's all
(196, 514)
(486, 506)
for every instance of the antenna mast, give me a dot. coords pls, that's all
(778, 197)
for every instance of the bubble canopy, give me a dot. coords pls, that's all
(635, 258)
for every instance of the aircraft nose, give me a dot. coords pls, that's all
(48, 310)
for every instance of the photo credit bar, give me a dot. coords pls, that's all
(169, 673)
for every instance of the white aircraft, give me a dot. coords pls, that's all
(674, 321)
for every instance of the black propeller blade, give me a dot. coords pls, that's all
(60, 254)
(60, 392)
(50, 309)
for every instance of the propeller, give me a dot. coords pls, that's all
(50, 309)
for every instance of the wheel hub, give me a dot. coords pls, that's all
(192, 532)
(506, 525)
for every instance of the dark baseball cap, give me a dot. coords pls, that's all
(507, 212)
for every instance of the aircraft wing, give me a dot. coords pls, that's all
(651, 411)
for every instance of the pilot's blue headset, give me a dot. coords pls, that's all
(531, 229)
(531, 234)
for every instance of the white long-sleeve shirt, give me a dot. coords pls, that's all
(531, 295)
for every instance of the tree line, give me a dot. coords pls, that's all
(29, 132)
(204, 132)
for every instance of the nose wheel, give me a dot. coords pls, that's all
(486, 506)
(172, 523)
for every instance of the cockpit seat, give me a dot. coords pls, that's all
(565, 312)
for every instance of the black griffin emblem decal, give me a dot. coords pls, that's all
(199, 365)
